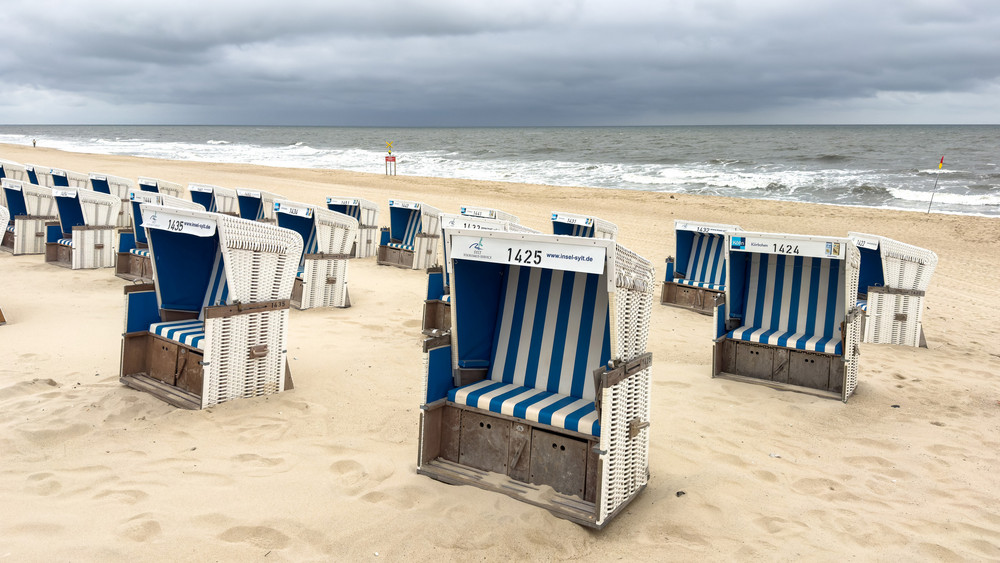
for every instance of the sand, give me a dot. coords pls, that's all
(92, 470)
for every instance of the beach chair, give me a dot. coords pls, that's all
(411, 239)
(31, 207)
(69, 179)
(161, 187)
(892, 283)
(4, 220)
(541, 389)
(39, 175)
(84, 235)
(215, 198)
(789, 317)
(14, 171)
(213, 327)
(437, 306)
(134, 262)
(366, 212)
(321, 278)
(699, 272)
(582, 226)
(118, 187)
(257, 205)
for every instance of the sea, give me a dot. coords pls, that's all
(886, 166)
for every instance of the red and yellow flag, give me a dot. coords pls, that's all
(940, 164)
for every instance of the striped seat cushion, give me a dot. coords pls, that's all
(401, 246)
(65, 242)
(446, 298)
(794, 302)
(703, 285)
(187, 332)
(534, 405)
(706, 265)
(140, 252)
(10, 228)
(863, 305)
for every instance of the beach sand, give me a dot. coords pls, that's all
(92, 470)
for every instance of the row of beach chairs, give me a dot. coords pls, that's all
(537, 370)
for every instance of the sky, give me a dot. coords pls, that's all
(512, 62)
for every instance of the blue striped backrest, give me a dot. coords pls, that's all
(217, 291)
(552, 330)
(707, 262)
(412, 228)
(797, 295)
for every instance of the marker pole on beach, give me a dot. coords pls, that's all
(934, 191)
(390, 161)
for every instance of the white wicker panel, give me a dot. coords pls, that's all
(87, 255)
(29, 235)
(43, 174)
(852, 331)
(425, 250)
(261, 259)
(14, 170)
(226, 200)
(4, 216)
(430, 219)
(883, 310)
(368, 238)
(624, 460)
(77, 180)
(99, 209)
(39, 201)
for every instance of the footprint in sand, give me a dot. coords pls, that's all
(141, 528)
(43, 484)
(258, 461)
(124, 496)
(259, 536)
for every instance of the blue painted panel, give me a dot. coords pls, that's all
(184, 266)
(439, 377)
(140, 311)
(70, 213)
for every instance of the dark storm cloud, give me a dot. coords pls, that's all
(518, 63)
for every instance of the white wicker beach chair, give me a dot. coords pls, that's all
(161, 187)
(366, 212)
(14, 171)
(789, 317)
(84, 235)
(411, 239)
(134, 263)
(215, 198)
(544, 379)
(4, 221)
(698, 274)
(892, 283)
(327, 236)
(437, 309)
(582, 226)
(39, 175)
(118, 187)
(214, 326)
(257, 205)
(31, 207)
(69, 179)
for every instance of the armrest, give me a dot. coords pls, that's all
(126, 241)
(439, 376)
(53, 231)
(669, 276)
(435, 283)
(384, 236)
(141, 309)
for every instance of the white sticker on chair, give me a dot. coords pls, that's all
(60, 192)
(248, 193)
(789, 246)
(167, 221)
(331, 201)
(293, 209)
(541, 254)
(449, 221)
(479, 212)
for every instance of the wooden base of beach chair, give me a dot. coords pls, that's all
(395, 257)
(59, 255)
(437, 317)
(134, 268)
(697, 299)
(167, 369)
(552, 468)
(783, 368)
(3, 319)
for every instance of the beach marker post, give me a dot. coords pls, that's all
(934, 190)
(390, 161)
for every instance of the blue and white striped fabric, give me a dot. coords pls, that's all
(863, 305)
(706, 266)
(535, 405)
(187, 332)
(218, 289)
(354, 211)
(400, 246)
(413, 227)
(144, 252)
(794, 302)
(10, 228)
(552, 332)
(65, 242)
(446, 298)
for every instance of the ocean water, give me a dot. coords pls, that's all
(891, 166)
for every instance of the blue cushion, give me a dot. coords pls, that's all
(534, 405)
(794, 302)
(189, 332)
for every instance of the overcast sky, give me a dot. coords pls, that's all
(506, 62)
